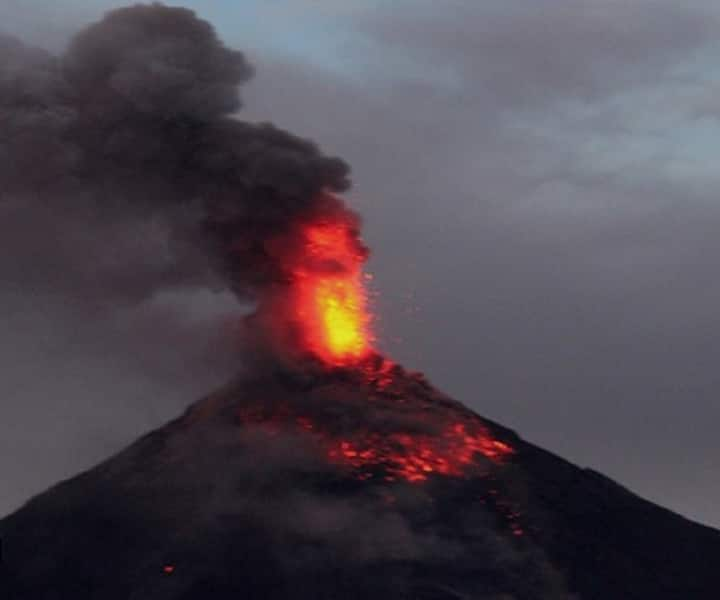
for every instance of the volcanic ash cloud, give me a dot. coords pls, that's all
(124, 170)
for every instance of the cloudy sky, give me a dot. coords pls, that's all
(538, 187)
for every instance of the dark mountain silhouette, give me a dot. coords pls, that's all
(314, 484)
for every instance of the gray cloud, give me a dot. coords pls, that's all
(522, 55)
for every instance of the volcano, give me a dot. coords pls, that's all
(326, 483)
(324, 471)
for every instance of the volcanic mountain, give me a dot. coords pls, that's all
(324, 471)
(340, 483)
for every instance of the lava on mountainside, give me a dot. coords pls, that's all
(326, 304)
(395, 436)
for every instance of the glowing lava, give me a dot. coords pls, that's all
(330, 294)
(325, 307)
(392, 455)
(415, 458)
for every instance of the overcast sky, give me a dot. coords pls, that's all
(538, 184)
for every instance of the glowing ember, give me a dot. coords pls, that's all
(331, 300)
(416, 457)
(397, 455)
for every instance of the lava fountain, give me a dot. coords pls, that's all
(329, 294)
(322, 311)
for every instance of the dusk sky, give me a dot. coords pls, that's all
(538, 185)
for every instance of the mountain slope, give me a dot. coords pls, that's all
(333, 485)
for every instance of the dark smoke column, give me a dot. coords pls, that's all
(134, 124)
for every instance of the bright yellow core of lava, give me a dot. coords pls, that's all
(341, 309)
(332, 300)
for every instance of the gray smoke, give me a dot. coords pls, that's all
(125, 172)
(130, 195)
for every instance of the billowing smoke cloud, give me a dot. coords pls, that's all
(130, 193)
(123, 162)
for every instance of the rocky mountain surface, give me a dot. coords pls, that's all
(341, 484)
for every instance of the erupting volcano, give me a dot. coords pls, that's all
(324, 471)
(326, 303)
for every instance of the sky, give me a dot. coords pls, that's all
(537, 183)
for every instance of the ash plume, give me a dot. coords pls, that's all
(124, 168)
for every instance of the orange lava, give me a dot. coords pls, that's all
(392, 455)
(415, 457)
(330, 296)
(397, 455)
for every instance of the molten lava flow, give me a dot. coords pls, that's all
(330, 295)
(395, 455)
(416, 457)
